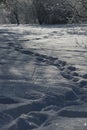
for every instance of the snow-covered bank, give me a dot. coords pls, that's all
(43, 77)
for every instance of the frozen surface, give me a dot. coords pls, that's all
(43, 77)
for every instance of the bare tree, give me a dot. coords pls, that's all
(52, 11)
(46, 11)
(40, 11)
(79, 8)
(20, 11)
(83, 10)
(12, 6)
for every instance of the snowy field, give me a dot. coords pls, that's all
(43, 77)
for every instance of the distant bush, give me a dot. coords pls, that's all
(53, 12)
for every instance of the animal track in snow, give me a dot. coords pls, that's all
(67, 71)
(7, 100)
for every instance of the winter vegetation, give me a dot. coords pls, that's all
(43, 11)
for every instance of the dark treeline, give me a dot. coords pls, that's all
(43, 11)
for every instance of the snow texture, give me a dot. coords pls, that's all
(43, 77)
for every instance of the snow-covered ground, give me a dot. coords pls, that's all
(43, 77)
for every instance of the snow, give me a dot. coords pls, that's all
(43, 77)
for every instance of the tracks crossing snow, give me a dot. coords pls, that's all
(24, 57)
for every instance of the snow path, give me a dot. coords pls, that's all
(43, 77)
